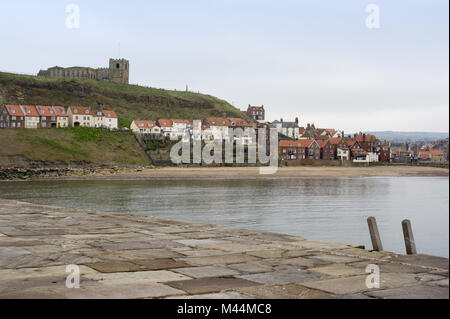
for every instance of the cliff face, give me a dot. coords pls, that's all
(129, 101)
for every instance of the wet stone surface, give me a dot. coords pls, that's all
(129, 256)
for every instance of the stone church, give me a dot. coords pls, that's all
(118, 72)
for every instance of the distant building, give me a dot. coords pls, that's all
(289, 129)
(12, 116)
(110, 120)
(62, 118)
(145, 127)
(32, 118)
(326, 149)
(256, 112)
(48, 116)
(80, 116)
(437, 156)
(301, 149)
(118, 72)
(384, 152)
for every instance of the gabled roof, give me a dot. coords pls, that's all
(304, 143)
(180, 121)
(297, 143)
(30, 110)
(286, 143)
(238, 122)
(322, 143)
(351, 142)
(145, 124)
(60, 111)
(45, 110)
(165, 123)
(109, 114)
(255, 108)
(81, 110)
(437, 152)
(335, 140)
(14, 110)
(365, 138)
(217, 121)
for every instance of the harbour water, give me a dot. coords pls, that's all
(323, 209)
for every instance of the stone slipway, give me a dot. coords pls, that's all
(127, 256)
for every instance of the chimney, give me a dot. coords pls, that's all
(296, 120)
(343, 134)
(364, 137)
(281, 120)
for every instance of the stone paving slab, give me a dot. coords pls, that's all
(389, 267)
(286, 291)
(219, 295)
(138, 277)
(131, 256)
(338, 270)
(412, 292)
(422, 260)
(206, 271)
(218, 260)
(284, 276)
(214, 284)
(355, 284)
(251, 267)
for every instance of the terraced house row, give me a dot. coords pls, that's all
(212, 128)
(359, 148)
(39, 116)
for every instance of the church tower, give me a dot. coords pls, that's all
(119, 71)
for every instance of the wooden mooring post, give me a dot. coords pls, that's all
(374, 234)
(410, 244)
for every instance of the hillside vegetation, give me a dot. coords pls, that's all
(129, 101)
(71, 145)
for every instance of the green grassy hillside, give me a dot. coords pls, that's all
(72, 145)
(129, 101)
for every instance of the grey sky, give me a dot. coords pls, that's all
(312, 59)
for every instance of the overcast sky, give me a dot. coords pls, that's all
(313, 59)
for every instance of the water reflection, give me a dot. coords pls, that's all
(333, 209)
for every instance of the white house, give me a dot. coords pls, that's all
(110, 120)
(32, 118)
(62, 118)
(343, 154)
(370, 157)
(145, 127)
(179, 127)
(80, 116)
(218, 128)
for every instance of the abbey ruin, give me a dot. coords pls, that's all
(118, 72)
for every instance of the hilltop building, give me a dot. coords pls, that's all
(256, 112)
(118, 72)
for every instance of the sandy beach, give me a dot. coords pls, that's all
(253, 173)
